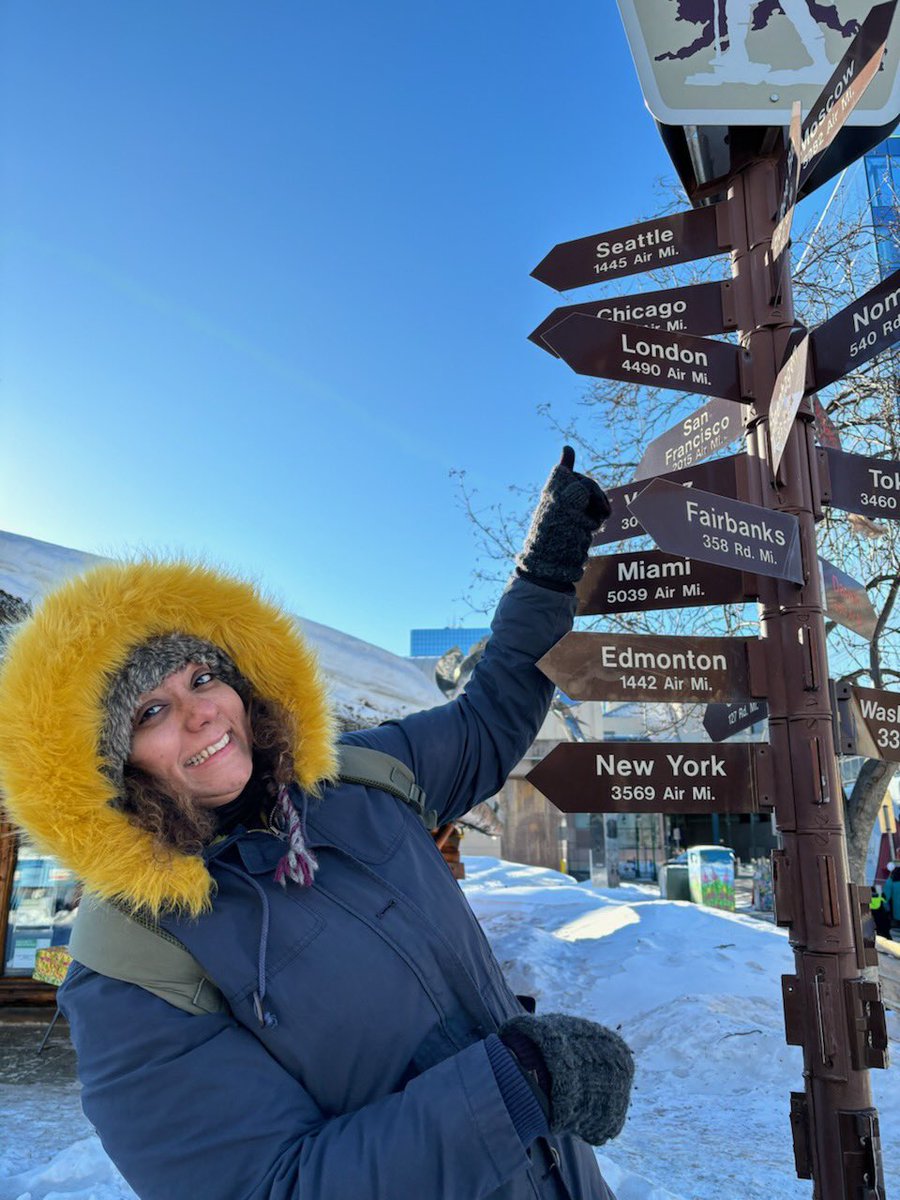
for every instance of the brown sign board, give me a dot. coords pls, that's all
(826, 433)
(708, 429)
(701, 308)
(623, 666)
(720, 476)
(847, 601)
(649, 580)
(790, 384)
(790, 185)
(636, 354)
(683, 237)
(714, 529)
(857, 333)
(875, 722)
(653, 777)
(723, 721)
(848, 82)
(859, 484)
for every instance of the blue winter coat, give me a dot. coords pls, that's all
(375, 1083)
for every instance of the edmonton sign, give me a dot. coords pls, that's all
(621, 666)
(727, 532)
(636, 777)
(683, 237)
(720, 477)
(708, 429)
(651, 580)
(700, 308)
(636, 354)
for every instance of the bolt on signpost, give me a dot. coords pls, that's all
(743, 527)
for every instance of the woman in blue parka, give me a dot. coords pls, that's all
(164, 733)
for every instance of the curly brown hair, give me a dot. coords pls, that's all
(176, 822)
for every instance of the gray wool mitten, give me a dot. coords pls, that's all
(588, 1067)
(571, 509)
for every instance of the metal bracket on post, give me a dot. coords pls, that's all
(800, 1130)
(868, 1026)
(784, 889)
(861, 1154)
(863, 926)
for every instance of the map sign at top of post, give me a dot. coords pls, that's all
(615, 350)
(683, 237)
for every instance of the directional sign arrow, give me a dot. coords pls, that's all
(616, 350)
(874, 722)
(623, 666)
(701, 308)
(703, 432)
(648, 580)
(790, 384)
(789, 188)
(859, 484)
(720, 477)
(847, 601)
(722, 721)
(728, 532)
(682, 237)
(848, 81)
(858, 332)
(678, 777)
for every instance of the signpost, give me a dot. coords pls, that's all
(634, 248)
(650, 580)
(611, 666)
(708, 429)
(720, 477)
(751, 535)
(727, 532)
(616, 350)
(653, 777)
(700, 309)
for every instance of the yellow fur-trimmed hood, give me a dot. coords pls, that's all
(52, 683)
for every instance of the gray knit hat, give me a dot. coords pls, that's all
(145, 668)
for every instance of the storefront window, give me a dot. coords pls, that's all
(44, 900)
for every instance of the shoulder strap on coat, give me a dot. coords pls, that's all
(121, 945)
(110, 941)
(373, 768)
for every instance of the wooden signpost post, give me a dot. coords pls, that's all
(737, 529)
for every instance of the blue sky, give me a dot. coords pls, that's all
(266, 277)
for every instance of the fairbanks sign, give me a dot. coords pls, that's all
(614, 666)
(645, 777)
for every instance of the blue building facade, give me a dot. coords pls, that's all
(883, 180)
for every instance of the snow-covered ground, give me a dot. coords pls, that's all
(695, 992)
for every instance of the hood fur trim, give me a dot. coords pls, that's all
(52, 683)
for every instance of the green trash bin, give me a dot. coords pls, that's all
(711, 876)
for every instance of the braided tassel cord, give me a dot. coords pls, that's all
(299, 863)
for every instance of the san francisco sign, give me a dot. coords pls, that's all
(708, 429)
(637, 777)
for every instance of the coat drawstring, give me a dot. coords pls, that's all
(266, 1017)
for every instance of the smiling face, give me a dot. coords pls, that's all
(192, 736)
